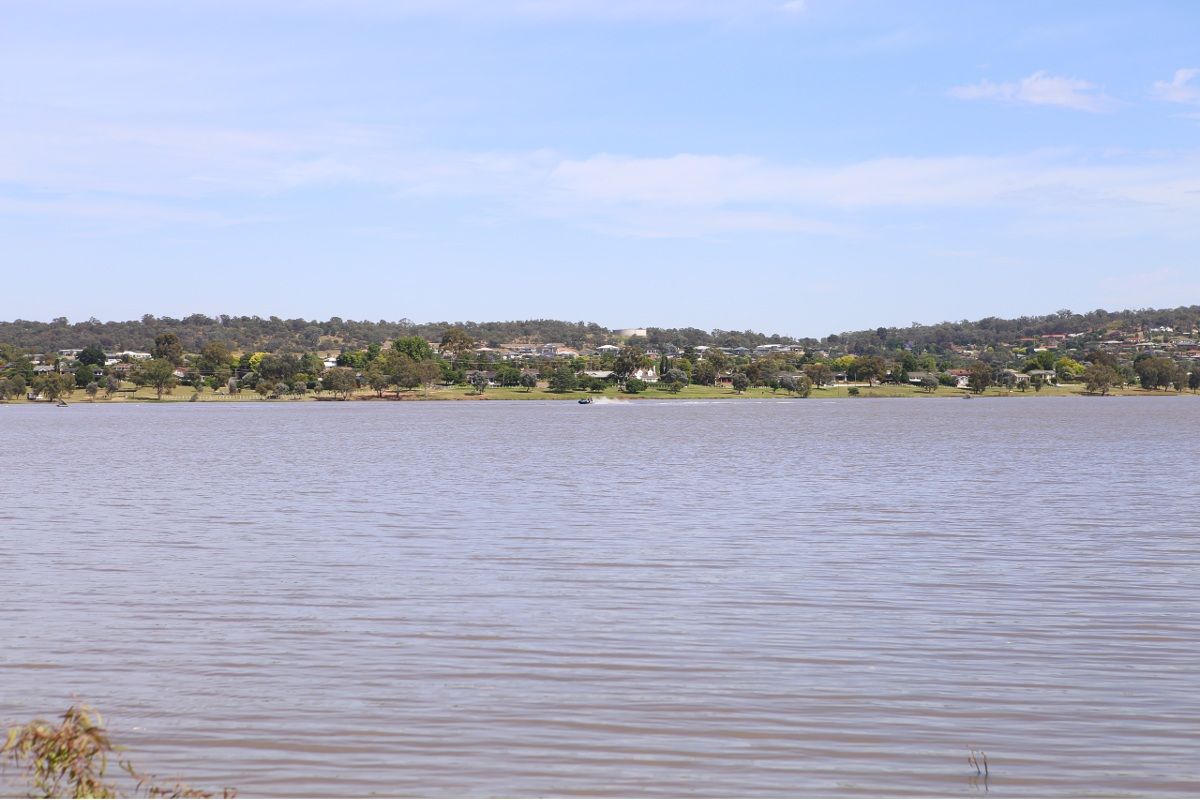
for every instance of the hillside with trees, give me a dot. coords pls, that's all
(276, 335)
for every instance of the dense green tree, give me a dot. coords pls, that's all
(54, 386)
(22, 366)
(478, 380)
(629, 361)
(1043, 359)
(92, 389)
(528, 381)
(740, 382)
(279, 367)
(427, 373)
(354, 359)
(158, 374)
(1154, 372)
(508, 375)
(592, 384)
(635, 385)
(870, 369)
(377, 378)
(340, 380)
(457, 343)
(979, 377)
(167, 347)
(215, 356)
(929, 383)
(719, 360)
(563, 380)
(92, 355)
(820, 373)
(1099, 357)
(1068, 369)
(1194, 379)
(415, 347)
(1099, 378)
(1179, 378)
(111, 384)
(675, 378)
(704, 373)
(84, 374)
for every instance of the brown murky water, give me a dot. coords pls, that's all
(743, 598)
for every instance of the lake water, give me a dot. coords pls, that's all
(797, 597)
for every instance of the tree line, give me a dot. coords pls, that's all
(274, 334)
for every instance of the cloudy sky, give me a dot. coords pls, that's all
(803, 167)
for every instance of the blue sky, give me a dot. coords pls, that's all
(797, 167)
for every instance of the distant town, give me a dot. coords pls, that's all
(205, 358)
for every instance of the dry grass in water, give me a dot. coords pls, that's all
(71, 759)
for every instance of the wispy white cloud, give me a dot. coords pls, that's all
(496, 10)
(190, 170)
(1040, 89)
(1180, 88)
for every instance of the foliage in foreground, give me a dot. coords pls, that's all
(71, 759)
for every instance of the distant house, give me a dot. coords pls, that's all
(1047, 375)
(962, 378)
(648, 374)
(1018, 378)
(608, 349)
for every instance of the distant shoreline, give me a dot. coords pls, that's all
(462, 394)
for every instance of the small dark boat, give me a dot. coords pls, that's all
(583, 401)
